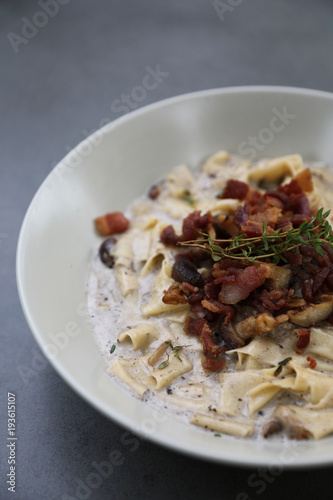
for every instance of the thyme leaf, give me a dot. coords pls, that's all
(284, 361)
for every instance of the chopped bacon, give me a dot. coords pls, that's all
(235, 189)
(274, 300)
(195, 222)
(240, 217)
(312, 362)
(192, 224)
(292, 188)
(168, 236)
(273, 201)
(211, 351)
(229, 264)
(112, 223)
(319, 279)
(200, 328)
(304, 180)
(270, 215)
(303, 340)
(300, 204)
(217, 307)
(212, 290)
(173, 295)
(283, 199)
(328, 249)
(307, 290)
(329, 281)
(323, 260)
(252, 229)
(213, 365)
(284, 223)
(195, 298)
(255, 199)
(194, 326)
(307, 250)
(246, 281)
(188, 288)
(298, 219)
(293, 257)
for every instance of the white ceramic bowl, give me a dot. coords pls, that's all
(105, 173)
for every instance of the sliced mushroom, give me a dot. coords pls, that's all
(272, 427)
(293, 427)
(277, 277)
(257, 325)
(230, 336)
(313, 313)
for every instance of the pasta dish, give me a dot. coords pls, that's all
(212, 296)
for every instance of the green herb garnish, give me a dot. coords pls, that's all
(187, 197)
(284, 361)
(163, 365)
(217, 435)
(316, 233)
(175, 350)
(113, 348)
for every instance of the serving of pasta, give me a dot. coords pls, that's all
(211, 297)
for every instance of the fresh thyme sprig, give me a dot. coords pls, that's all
(316, 233)
(175, 349)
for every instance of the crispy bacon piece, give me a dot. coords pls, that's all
(319, 279)
(168, 236)
(312, 362)
(304, 180)
(194, 326)
(212, 352)
(192, 224)
(174, 295)
(300, 204)
(293, 257)
(281, 196)
(188, 288)
(236, 190)
(246, 281)
(241, 216)
(200, 328)
(303, 340)
(252, 229)
(292, 188)
(112, 223)
(274, 300)
(216, 307)
(270, 215)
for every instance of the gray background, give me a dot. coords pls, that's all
(63, 83)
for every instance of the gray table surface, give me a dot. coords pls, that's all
(58, 82)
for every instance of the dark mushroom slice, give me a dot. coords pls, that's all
(184, 270)
(105, 252)
(230, 336)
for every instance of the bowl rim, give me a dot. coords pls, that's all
(100, 406)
